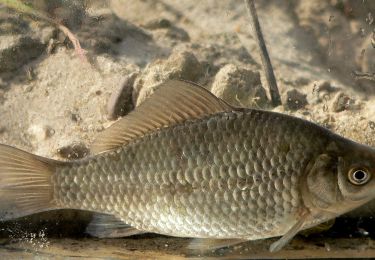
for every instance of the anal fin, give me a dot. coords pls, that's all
(208, 244)
(109, 226)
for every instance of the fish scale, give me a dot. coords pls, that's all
(200, 179)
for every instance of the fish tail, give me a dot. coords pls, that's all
(25, 183)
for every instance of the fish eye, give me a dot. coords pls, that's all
(359, 176)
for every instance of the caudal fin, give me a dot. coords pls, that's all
(25, 183)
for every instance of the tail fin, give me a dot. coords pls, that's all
(25, 183)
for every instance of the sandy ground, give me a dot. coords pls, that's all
(53, 103)
(167, 248)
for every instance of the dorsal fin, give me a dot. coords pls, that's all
(172, 102)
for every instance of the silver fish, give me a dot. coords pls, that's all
(185, 163)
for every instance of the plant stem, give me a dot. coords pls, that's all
(267, 66)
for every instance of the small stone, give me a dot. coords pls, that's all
(41, 132)
(324, 86)
(301, 81)
(177, 33)
(73, 151)
(157, 24)
(371, 124)
(75, 117)
(49, 131)
(29, 88)
(163, 28)
(239, 86)
(327, 247)
(363, 232)
(294, 100)
(321, 92)
(120, 103)
(341, 102)
(30, 73)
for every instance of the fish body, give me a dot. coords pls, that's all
(230, 175)
(200, 169)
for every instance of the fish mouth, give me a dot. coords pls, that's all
(358, 203)
(342, 207)
(368, 195)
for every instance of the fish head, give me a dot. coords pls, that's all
(340, 179)
(356, 174)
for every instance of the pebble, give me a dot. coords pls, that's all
(75, 117)
(239, 86)
(324, 86)
(157, 24)
(29, 88)
(341, 102)
(177, 33)
(294, 100)
(363, 232)
(301, 81)
(73, 151)
(120, 103)
(321, 91)
(41, 132)
(163, 28)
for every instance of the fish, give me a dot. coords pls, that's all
(187, 164)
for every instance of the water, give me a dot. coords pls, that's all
(54, 93)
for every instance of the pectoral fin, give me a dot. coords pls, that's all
(103, 225)
(279, 244)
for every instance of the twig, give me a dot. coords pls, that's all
(21, 7)
(267, 66)
(364, 75)
(77, 46)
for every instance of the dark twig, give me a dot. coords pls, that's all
(267, 66)
(363, 75)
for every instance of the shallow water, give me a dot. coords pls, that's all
(54, 99)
